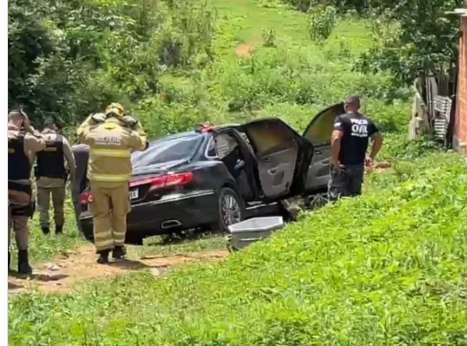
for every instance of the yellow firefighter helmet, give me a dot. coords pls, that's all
(115, 109)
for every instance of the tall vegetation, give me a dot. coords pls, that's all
(414, 38)
(322, 22)
(411, 38)
(170, 63)
(69, 57)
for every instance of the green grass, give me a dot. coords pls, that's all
(155, 247)
(42, 248)
(297, 77)
(387, 268)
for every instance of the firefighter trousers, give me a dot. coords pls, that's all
(18, 224)
(109, 207)
(43, 204)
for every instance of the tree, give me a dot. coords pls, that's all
(413, 38)
(67, 58)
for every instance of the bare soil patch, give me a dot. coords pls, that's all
(61, 274)
(244, 50)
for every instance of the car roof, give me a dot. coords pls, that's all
(211, 129)
(178, 135)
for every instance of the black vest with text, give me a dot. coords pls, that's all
(50, 161)
(19, 167)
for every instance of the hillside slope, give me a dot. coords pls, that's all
(385, 269)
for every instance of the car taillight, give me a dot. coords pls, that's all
(179, 179)
(165, 181)
(85, 198)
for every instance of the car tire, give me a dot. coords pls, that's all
(134, 239)
(88, 233)
(230, 208)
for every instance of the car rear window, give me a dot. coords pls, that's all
(167, 150)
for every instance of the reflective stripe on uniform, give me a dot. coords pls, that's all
(104, 244)
(110, 178)
(119, 236)
(122, 153)
(102, 236)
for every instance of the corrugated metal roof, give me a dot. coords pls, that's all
(459, 11)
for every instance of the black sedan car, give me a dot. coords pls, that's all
(216, 176)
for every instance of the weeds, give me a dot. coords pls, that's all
(269, 37)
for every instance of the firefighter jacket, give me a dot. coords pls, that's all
(110, 145)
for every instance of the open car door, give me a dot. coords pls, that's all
(319, 133)
(282, 155)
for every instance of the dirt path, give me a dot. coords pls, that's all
(244, 50)
(61, 274)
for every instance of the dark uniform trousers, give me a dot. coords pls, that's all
(347, 182)
(43, 204)
(18, 217)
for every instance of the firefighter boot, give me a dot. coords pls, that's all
(45, 230)
(119, 252)
(23, 262)
(59, 229)
(103, 257)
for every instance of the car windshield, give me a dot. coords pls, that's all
(167, 150)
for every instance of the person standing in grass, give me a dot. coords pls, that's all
(54, 165)
(23, 142)
(349, 145)
(109, 171)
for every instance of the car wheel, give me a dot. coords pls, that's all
(231, 210)
(134, 239)
(88, 233)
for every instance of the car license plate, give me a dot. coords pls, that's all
(134, 194)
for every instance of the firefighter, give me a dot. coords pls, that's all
(128, 120)
(51, 176)
(109, 172)
(23, 141)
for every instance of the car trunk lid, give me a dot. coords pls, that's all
(320, 128)
(160, 177)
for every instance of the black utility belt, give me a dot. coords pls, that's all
(23, 210)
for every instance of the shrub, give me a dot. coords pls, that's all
(322, 22)
(112, 48)
(269, 37)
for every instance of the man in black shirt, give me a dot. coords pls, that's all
(350, 138)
